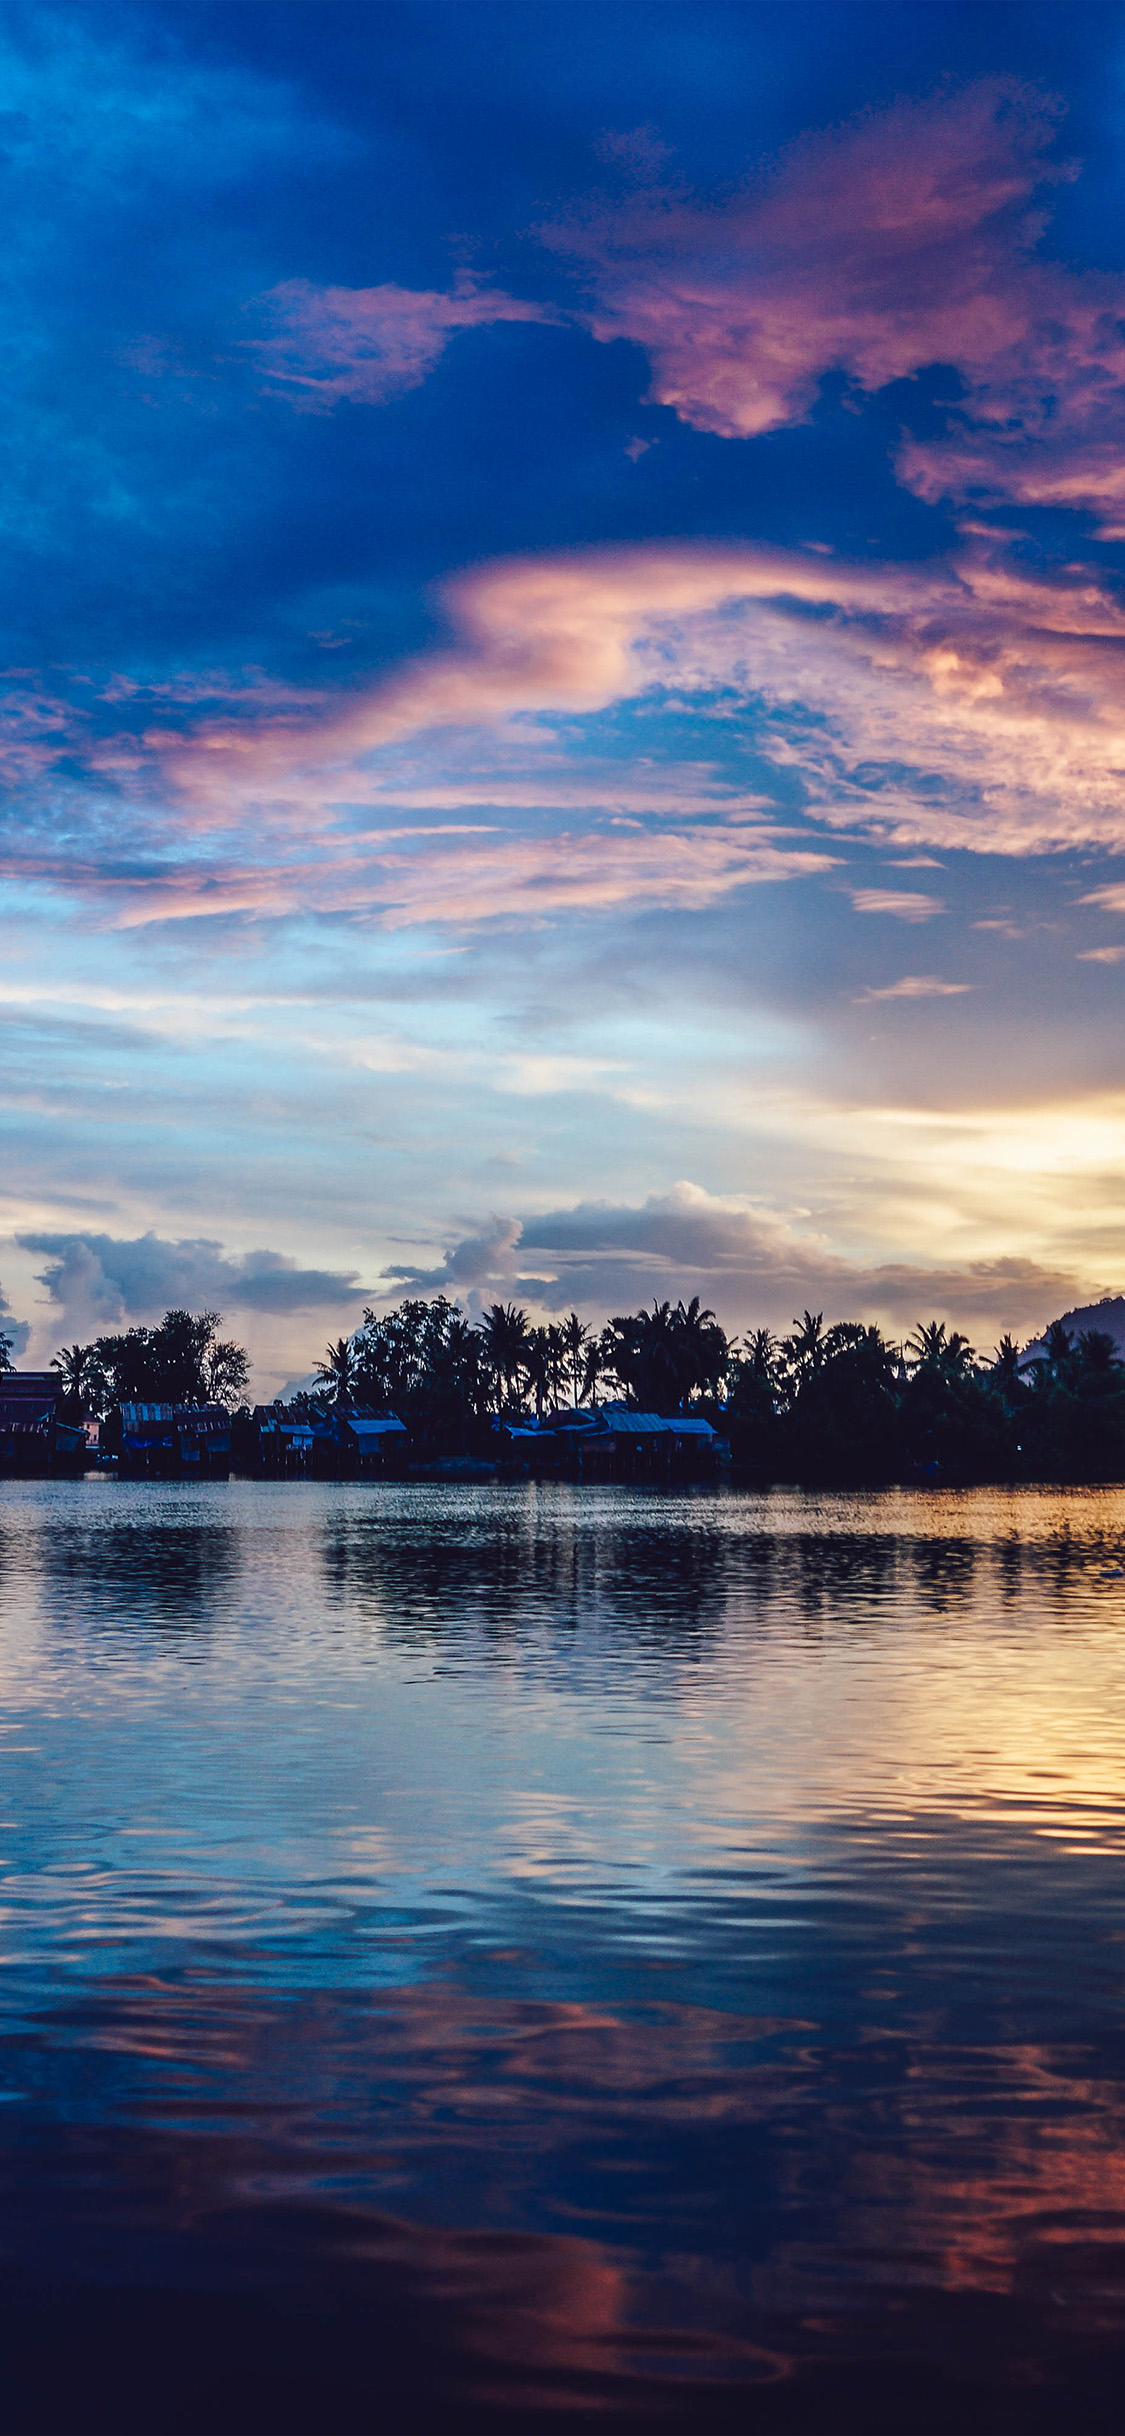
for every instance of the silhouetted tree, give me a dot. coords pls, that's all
(337, 1373)
(81, 1379)
(181, 1361)
(506, 1337)
(1005, 1369)
(804, 1349)
(577, 1344)
(842, 1421)
(545, 1365)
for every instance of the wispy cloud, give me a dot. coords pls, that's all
(442, 880)
(370, 344)
(970, 704)
(906, 905)
(916, 985)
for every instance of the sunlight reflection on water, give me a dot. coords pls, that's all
(651, 1952)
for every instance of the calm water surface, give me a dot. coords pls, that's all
(539, 1958)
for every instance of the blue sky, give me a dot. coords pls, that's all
(563, 628)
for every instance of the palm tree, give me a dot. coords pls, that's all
(759, 1352)
(1098, 1353)
(1060, 1348)
(77, 1368)
(540, 1365)
(702, 1350)
(928, 1346)
(599, 1365)
(460, 1365)
(933, 1349)
(1004, 1368)
(506, 1336)
(337, 1372)
(577, 1342)
(805, 1348)
(654, 1369)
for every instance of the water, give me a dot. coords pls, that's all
(495, 1959)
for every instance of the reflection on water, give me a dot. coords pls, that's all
(516, 1957)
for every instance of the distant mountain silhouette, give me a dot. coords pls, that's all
(1108, 1315)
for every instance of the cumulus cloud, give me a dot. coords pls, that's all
(753, 1265)
(106, 1281)
(488, 1258)
(370, 344)
(16, 1331)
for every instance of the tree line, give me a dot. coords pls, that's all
(427, 1363)
(183, 1360)
(843, 1404)
(821, 1404)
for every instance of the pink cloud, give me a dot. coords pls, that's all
(448, 880)
(906, 905)
(878, 247)
(36, 729)
(970, 704)
(905, 239)
(916, 985)
(370, 344)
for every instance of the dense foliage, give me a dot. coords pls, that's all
(841, 1404)
(831, 1404)
(445, 1378)
(181, 1361)
(821, 1404)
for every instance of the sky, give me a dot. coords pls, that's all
(563, 733)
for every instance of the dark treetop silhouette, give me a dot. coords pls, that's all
(822, 1404)
(838, 1403)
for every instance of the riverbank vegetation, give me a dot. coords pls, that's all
(833, 1404)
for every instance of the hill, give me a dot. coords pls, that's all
(1108, 1315)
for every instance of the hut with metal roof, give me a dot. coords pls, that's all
(34, 1438)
